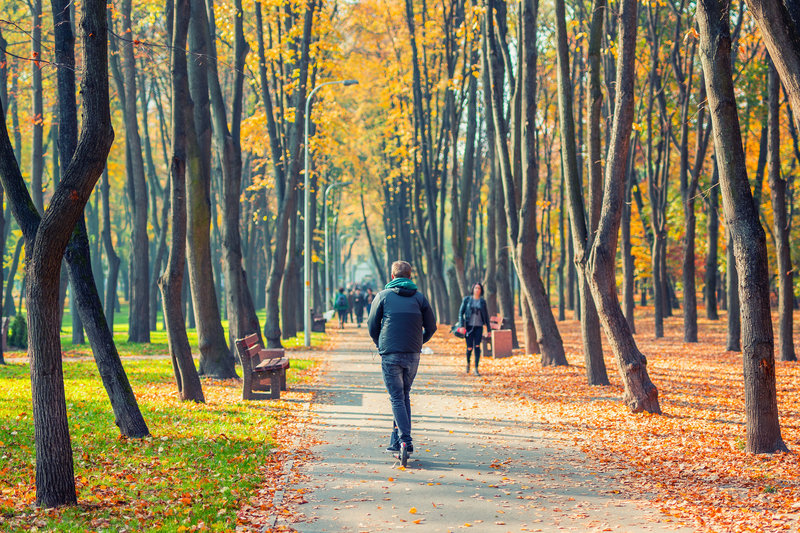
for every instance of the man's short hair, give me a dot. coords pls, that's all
(401, 269)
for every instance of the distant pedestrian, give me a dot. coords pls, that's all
(341, 306)
(368, 299)
(400, 322)
(474, 315)
(358, 305)
(350, 304)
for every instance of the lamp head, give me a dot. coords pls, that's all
(351, 82)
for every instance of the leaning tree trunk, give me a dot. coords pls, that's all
(640, 393)
(749, 241)
(780, 224)
(46, 241)
(83, 293)
(183, 141)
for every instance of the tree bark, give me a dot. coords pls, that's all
(780, 224)
(521, 214)
(733, 341)
(712, 260)
(640, 393)
(779, 23)
(37, 112)
(749, 241)
(581, 235)
(215, 358)
(183, 141)
(139, 317)
(111, 254)
(46, 241)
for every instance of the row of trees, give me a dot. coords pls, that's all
(618, 122)
(467, 115)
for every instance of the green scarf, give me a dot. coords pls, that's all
(404, 283)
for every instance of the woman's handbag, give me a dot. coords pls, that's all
(458, 330)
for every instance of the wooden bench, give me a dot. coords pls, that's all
(317, 323)
(262, 369)
(498, 331)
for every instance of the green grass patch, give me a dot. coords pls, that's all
(158, 338)
(200, 465)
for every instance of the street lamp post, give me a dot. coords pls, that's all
(327, 278)
(307, 219)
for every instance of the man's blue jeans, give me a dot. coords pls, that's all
(399, 371)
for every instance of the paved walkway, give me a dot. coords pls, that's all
(478, 464)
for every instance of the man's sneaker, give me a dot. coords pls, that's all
(393, 448)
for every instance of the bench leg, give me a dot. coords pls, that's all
(247, 386)
(275, 385)
(283, 379)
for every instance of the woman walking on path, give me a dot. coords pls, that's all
(474, 315)
(341, 306)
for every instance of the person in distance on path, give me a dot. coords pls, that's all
(400, 322)
(340, 305)
(474, 315)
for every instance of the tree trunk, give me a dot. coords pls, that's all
(712, 270)
(749, 241)
(111, 255)
(777, 187)
(37, 112)
(139, 317)
(581, 235)
(640, 393)
(84, 298)
(183, 141)
(628, 273)
(215, 357)
(46, 240)
(732, 343)
(521, 221)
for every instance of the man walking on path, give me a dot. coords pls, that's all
(400, 322)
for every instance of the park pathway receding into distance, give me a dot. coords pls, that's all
(477, 464)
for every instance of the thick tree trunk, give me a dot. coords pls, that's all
(46, 240)
(139, 317)
(780, 224)
(215, 357)
(183, 141)
(749, 241)
(640, 393)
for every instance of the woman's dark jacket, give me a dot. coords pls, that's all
(465, 312)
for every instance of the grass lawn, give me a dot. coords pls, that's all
(158, 339)
(196, 470)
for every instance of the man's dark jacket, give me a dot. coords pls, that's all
(401, 320)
